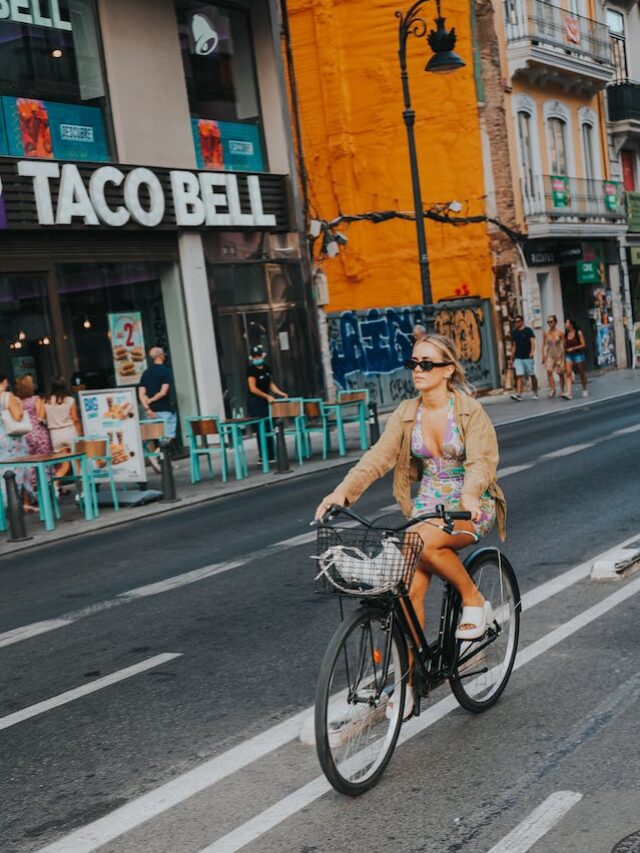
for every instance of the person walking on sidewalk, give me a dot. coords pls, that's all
(575, 348)
(524, 350)
(262, 390)
(553, 354)
(154, 393)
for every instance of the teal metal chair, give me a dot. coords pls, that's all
(97, 451)
(316, 421)
(356, 402)
(152, 430)
(292, 410)
(201, 427)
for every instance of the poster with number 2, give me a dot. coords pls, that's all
(127, 347)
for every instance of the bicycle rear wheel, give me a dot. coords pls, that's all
(365, 663)
(484, 666)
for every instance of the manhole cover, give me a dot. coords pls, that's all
(630, 844)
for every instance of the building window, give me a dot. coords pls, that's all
(219, 67)
(526, 152)
(615, 22)
(628, 171)
(52, 91)
(557, 146)
(588, 152)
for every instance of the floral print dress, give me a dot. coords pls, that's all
(443, 477)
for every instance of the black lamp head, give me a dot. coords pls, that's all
(442, 41)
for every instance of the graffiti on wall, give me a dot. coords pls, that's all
(368, 348)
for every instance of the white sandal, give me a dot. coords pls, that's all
(479, 617)
(408, 705)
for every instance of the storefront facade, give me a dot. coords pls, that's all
(195, 249)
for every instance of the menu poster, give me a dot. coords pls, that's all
(127, 347)
(112, 413)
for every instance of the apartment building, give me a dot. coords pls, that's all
(623, 112)
(146, 166)
(558, 60)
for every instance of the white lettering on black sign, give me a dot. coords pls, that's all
(39, 13)
(199, 199)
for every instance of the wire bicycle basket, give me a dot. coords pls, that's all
(366, 562)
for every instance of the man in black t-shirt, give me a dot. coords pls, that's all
(262, 389)
(523, 353)
(155, 389)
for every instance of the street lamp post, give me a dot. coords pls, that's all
(442, 42)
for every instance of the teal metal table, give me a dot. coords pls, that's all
(234, 428)
(41, 463)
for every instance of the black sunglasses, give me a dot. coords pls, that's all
(425, 364)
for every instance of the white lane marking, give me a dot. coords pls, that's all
(106, 829)
(288, 806)
(85, 690)
(626, 430)
(26, 632)
(514, 469)
(567, 451)
(538, 823)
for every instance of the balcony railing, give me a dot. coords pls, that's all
(559, 198)
(623, 100)
(558, 28)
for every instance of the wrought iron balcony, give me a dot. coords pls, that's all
(623, 100)
(578, 201)
(549, 43)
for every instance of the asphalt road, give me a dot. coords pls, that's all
(248, 635)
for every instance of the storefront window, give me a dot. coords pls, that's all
(261, 304)
(98, 299)
(26, 338)
(217, 52)
(52, 92)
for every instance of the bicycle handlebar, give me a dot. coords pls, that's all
(448, 516)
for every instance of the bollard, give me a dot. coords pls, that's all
(15, 513)
(281, 450)
(374, 424)
(167, 483)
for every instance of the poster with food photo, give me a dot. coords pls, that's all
(127, 347)
(112, 413)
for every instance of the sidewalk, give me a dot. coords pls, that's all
(501, 408)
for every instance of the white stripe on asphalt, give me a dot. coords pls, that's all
(626, 430)
(171, 794)
(567, 451)
(514, 469)
(85, 690)
(538, 823)
(285, 808)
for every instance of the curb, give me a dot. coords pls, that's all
(618, 565)
(563, 411)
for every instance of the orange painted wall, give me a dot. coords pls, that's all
(350, 103)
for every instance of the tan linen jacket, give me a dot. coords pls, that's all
(394, 450)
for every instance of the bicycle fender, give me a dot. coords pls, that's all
(474, 557)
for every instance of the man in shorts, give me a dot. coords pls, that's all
(524, 349)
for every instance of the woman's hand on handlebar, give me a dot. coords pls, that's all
(472, 504)
(336, 497)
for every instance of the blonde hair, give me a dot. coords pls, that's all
(24, 386)
(458, 380)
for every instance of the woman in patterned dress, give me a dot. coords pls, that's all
(12, 446)
(38, 439)
(446, 441)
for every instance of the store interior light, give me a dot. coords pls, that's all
(21, 336)
(57, 53)
(17, 345)
(87, 323)
(46, 341)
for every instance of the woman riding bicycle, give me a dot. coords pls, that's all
(444, 439)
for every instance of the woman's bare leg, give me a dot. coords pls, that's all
(552, 384)
(582, 370)
(439, 557)
(568, 384)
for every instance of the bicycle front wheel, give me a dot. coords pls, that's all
(484, 666)
(365, 664)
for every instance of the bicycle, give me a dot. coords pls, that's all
(367, 660)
